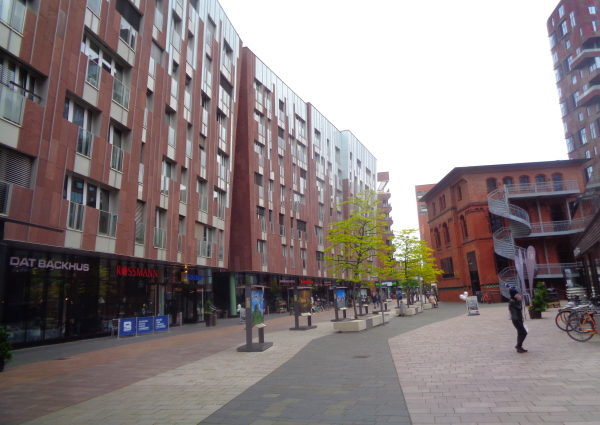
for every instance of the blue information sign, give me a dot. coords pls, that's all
(127, 327)
(161, 323)
(144, 325)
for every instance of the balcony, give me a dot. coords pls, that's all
(556, 228)
(509, 275)
(590, 96)
(5, 189)
(107, 224)
(546, 189)
(585, 58)
(226, 66)
(160, 238)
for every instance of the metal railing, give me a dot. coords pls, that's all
(543, 187)
(140, 233)
(11, 105)
(499, 205)
(116, 158)
(204, 249)
(176, 40)
(158, 18)
(160, 238)
(75, 218)
(175, 88)
(187, 100)
(107, 224)
(203, 203)
(141, 174)
(223, 173)
(120, 93)
(152, 68)
(84, 142)
(221, 211)
(560, 226)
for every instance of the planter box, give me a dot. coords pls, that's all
(411, 311)
(350, 326)
(535, 314)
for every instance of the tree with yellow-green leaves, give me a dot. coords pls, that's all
(415, 260)
(358, 251)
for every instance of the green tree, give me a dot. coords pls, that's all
(415, 262)
(357, 250)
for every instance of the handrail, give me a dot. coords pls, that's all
(541, 187)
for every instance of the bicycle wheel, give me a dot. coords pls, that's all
(561, 319)
(580, 328)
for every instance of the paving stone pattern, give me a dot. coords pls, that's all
(466, 371)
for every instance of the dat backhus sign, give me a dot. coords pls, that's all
(48, 264)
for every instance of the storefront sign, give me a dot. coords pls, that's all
(127, 327)
(161, 323)
(287, 281)
(188, 276)
(144, 325)
(306, 282)
(135, 271)
(48, 264)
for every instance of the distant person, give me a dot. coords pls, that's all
(516, 315)
(433, 301)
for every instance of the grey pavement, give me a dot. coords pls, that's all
(440, 366)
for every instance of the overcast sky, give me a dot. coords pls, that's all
(426, 86)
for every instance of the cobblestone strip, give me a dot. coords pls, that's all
(190, 393)
(466, 370)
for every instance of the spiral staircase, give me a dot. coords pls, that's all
(520, 226)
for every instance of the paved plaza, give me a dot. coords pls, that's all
(440, 366)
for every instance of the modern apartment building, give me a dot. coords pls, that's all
(573, 29)
(147, 160)
(293, 168)
(480, 217)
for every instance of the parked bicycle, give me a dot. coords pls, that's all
(582, 328)
(574, 307)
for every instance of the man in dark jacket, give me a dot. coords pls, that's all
(516, 315)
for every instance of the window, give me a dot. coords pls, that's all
(205, 241)
(202, 187)
(168, 173)
(588, 172)
(258, 180)
(261, 247)
(561, 11)
(558, 73)
(572, 18)
(463, 227)
(446, 234)
(592, 10)
(564, 109)
(524, 180)
(563, 29)
(220, 198)
(422, 209)
(303, 257)
(459, 192)
(594, 27)
(587, 154)
(80, 193)
(552, 39)
(580, 116)
(570, 144)
(92, 51)
(115, 138)
(284, 254)
(540, 179)
(593, 130)
(130, 22)
(448, 268)
(555, 57)
(438, 242)
(568, 44)
(495, 223)
(292, 257)
(320, 257)
(582, 137)
(490, 184)
(507, 180)
(83, 118)
(140, 223)
(12, 12)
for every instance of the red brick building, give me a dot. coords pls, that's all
(148, 163)
(480, 217)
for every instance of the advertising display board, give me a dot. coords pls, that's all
(340, 298)
(161, 323)
(145, 325)
(127, 327)
(304, 300)
(257, 307)
(472, 306)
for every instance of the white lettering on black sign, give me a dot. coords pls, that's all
(48, 264)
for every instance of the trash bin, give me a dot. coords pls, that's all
(402, 309)
(552, 296)
(213, 320)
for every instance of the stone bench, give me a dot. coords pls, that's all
(427, 306)
(411, 311)
(350, 326)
